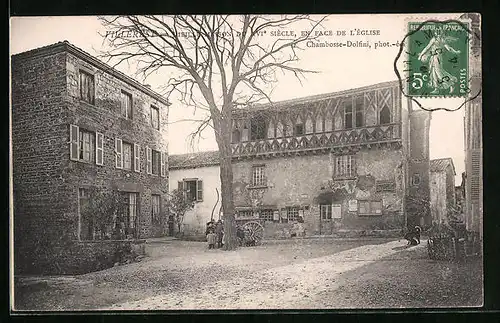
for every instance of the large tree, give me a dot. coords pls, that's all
(213, 62)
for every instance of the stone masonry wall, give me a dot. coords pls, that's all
(298, 181)
(104, 116)
(45, 101)
(38, 145)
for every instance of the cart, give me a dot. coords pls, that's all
(249, 233)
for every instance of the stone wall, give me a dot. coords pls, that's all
(299, 181)
(39, 144)
(104, 116)
(45, 101)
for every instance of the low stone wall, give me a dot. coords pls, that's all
(79, 257)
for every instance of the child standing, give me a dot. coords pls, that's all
(211, 237)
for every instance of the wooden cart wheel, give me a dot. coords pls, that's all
(255, 230)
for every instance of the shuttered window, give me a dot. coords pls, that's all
(99, 149)
(163, 162)
(137, 158)
(119, 153)
(199, 190)
(149, 164)
(192, 188)
(73, 142)
(85, 145)
(345, 166)
(475, 175)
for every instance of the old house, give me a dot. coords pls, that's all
(80, 127)
(442, 189)
(198, 175)
(350, 160)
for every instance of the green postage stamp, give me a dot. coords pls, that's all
(438, 59)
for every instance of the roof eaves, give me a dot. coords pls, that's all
(68, 47)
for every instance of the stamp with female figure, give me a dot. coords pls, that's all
(438, 59)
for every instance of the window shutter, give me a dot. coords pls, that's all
(73, 142)
(475, 175)
(199, 190)
(118, 152)
(180, 185)
(137, 158)
(162, 165)
(99, 148)
(149, 164)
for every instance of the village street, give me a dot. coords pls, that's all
(293, 274)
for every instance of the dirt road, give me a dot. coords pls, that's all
(324, 273)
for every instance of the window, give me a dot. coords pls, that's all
(156, 162)
(369, 207)
(345, 166)
(193, 189)
(385, 186)
(85, 144)
(299, 129)
(244, 214)
(87, 148)
(385, 115)
(127, 156)
(326, 212)
(292, 214)
(348, 115)
(129, 213)
(267, 215)
(126, 105)
(87, 90)
(155, 117)
(258, 128)
(258, 175)
(235, 138)
(415, 179)
(155, 207)
(360, 120)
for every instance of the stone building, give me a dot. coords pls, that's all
(80, 127)
(344, 161)
(442, 189)
(198, 174)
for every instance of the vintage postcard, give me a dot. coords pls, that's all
(246, 162)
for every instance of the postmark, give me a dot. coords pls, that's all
(438, 59)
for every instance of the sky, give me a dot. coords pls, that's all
(339, 69)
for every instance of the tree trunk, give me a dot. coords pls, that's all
(223, 137)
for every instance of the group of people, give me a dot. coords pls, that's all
(215, 234)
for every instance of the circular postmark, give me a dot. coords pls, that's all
(436, 61)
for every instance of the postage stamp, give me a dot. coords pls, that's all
(438, 59)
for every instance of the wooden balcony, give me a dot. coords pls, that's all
(355, 138)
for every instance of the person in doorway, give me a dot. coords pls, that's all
(219, 231)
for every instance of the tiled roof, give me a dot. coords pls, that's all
(80, 53)
(440, 165)
(194, 160)
(313, 98)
